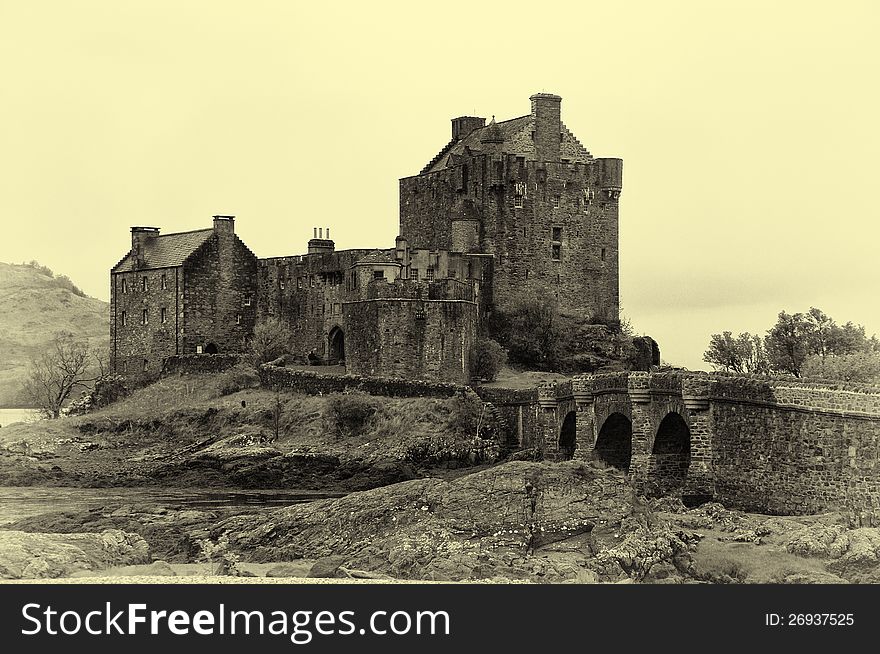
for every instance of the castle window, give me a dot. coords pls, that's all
(125, 366)
(577, 203)
(337, 308)
(429, 274)
(238, 319)
(163, 315)
(557, 233)
(555, 201)
(281, 284)
(518, 201)
(143, 283)
(414, 274)
(299, 282)
(122, 319)
(602, 254)
(124, 286)
(378, 274)
(164, 282)
(556, 252)
(247, 301)
(146, 365)
(312, 281)
(198, 349)
(144, 317)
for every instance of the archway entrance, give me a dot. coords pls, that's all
(614, 444)
(211, 348)
(336, 341)
(670, 456)
(568, 436)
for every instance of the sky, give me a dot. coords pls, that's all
(749, 133)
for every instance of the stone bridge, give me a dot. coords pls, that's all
(772, 445)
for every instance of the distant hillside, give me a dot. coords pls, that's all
(35, 305)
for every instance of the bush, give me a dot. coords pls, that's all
(237, 379)
(487, 360)
(529, 328)
(271, 340)
(350, 411)
(470, 417)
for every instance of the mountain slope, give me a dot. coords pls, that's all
(36, 305)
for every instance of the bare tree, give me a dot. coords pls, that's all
(57, 372)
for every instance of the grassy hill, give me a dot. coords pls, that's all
(37, 304)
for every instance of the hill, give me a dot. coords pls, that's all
(37, 304)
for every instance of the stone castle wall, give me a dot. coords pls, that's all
(411, 339)
(563, 240)
(220, 296)
(138, 343)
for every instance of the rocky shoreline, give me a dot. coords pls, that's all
(423, 500)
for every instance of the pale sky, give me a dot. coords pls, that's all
(749, 133)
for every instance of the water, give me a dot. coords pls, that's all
(8, 416)
(17, 502)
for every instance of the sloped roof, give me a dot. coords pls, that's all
(377, 256)
(516, 135)
(166, 250)
(507, 129)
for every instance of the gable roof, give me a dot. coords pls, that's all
(166, 250)
(517, 139)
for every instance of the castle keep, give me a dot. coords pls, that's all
(505, 208)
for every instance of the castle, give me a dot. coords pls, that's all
(505, 208)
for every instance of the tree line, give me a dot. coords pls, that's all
(808, 345)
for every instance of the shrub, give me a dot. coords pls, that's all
(271, 340)
(237, 379)
(529, 327)
(487, 360)
(350, 411)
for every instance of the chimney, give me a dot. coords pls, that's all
(464, 125)
(224, 224)
(319, 244)
(548, 126)
(139, 238)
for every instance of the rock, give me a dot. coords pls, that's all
(36, 556)
(154, 569)
(435, 529)
(289, 570)
(327, 567)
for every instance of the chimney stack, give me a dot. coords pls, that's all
(546, 110)
(319, 244)
(139, 238)
(224, 224)
(464, 125)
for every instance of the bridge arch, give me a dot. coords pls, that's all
(568, 435)
(671, 455)
(614, 443)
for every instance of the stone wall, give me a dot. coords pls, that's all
(311, 383)
(220, 296)
(146, 321)
(191, 364)
(563, 240)
(519, 411)
(782, 446)
(411, 339)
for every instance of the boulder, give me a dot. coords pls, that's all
(36, 556)
(327, 567)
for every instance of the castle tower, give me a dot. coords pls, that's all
(526, 191)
